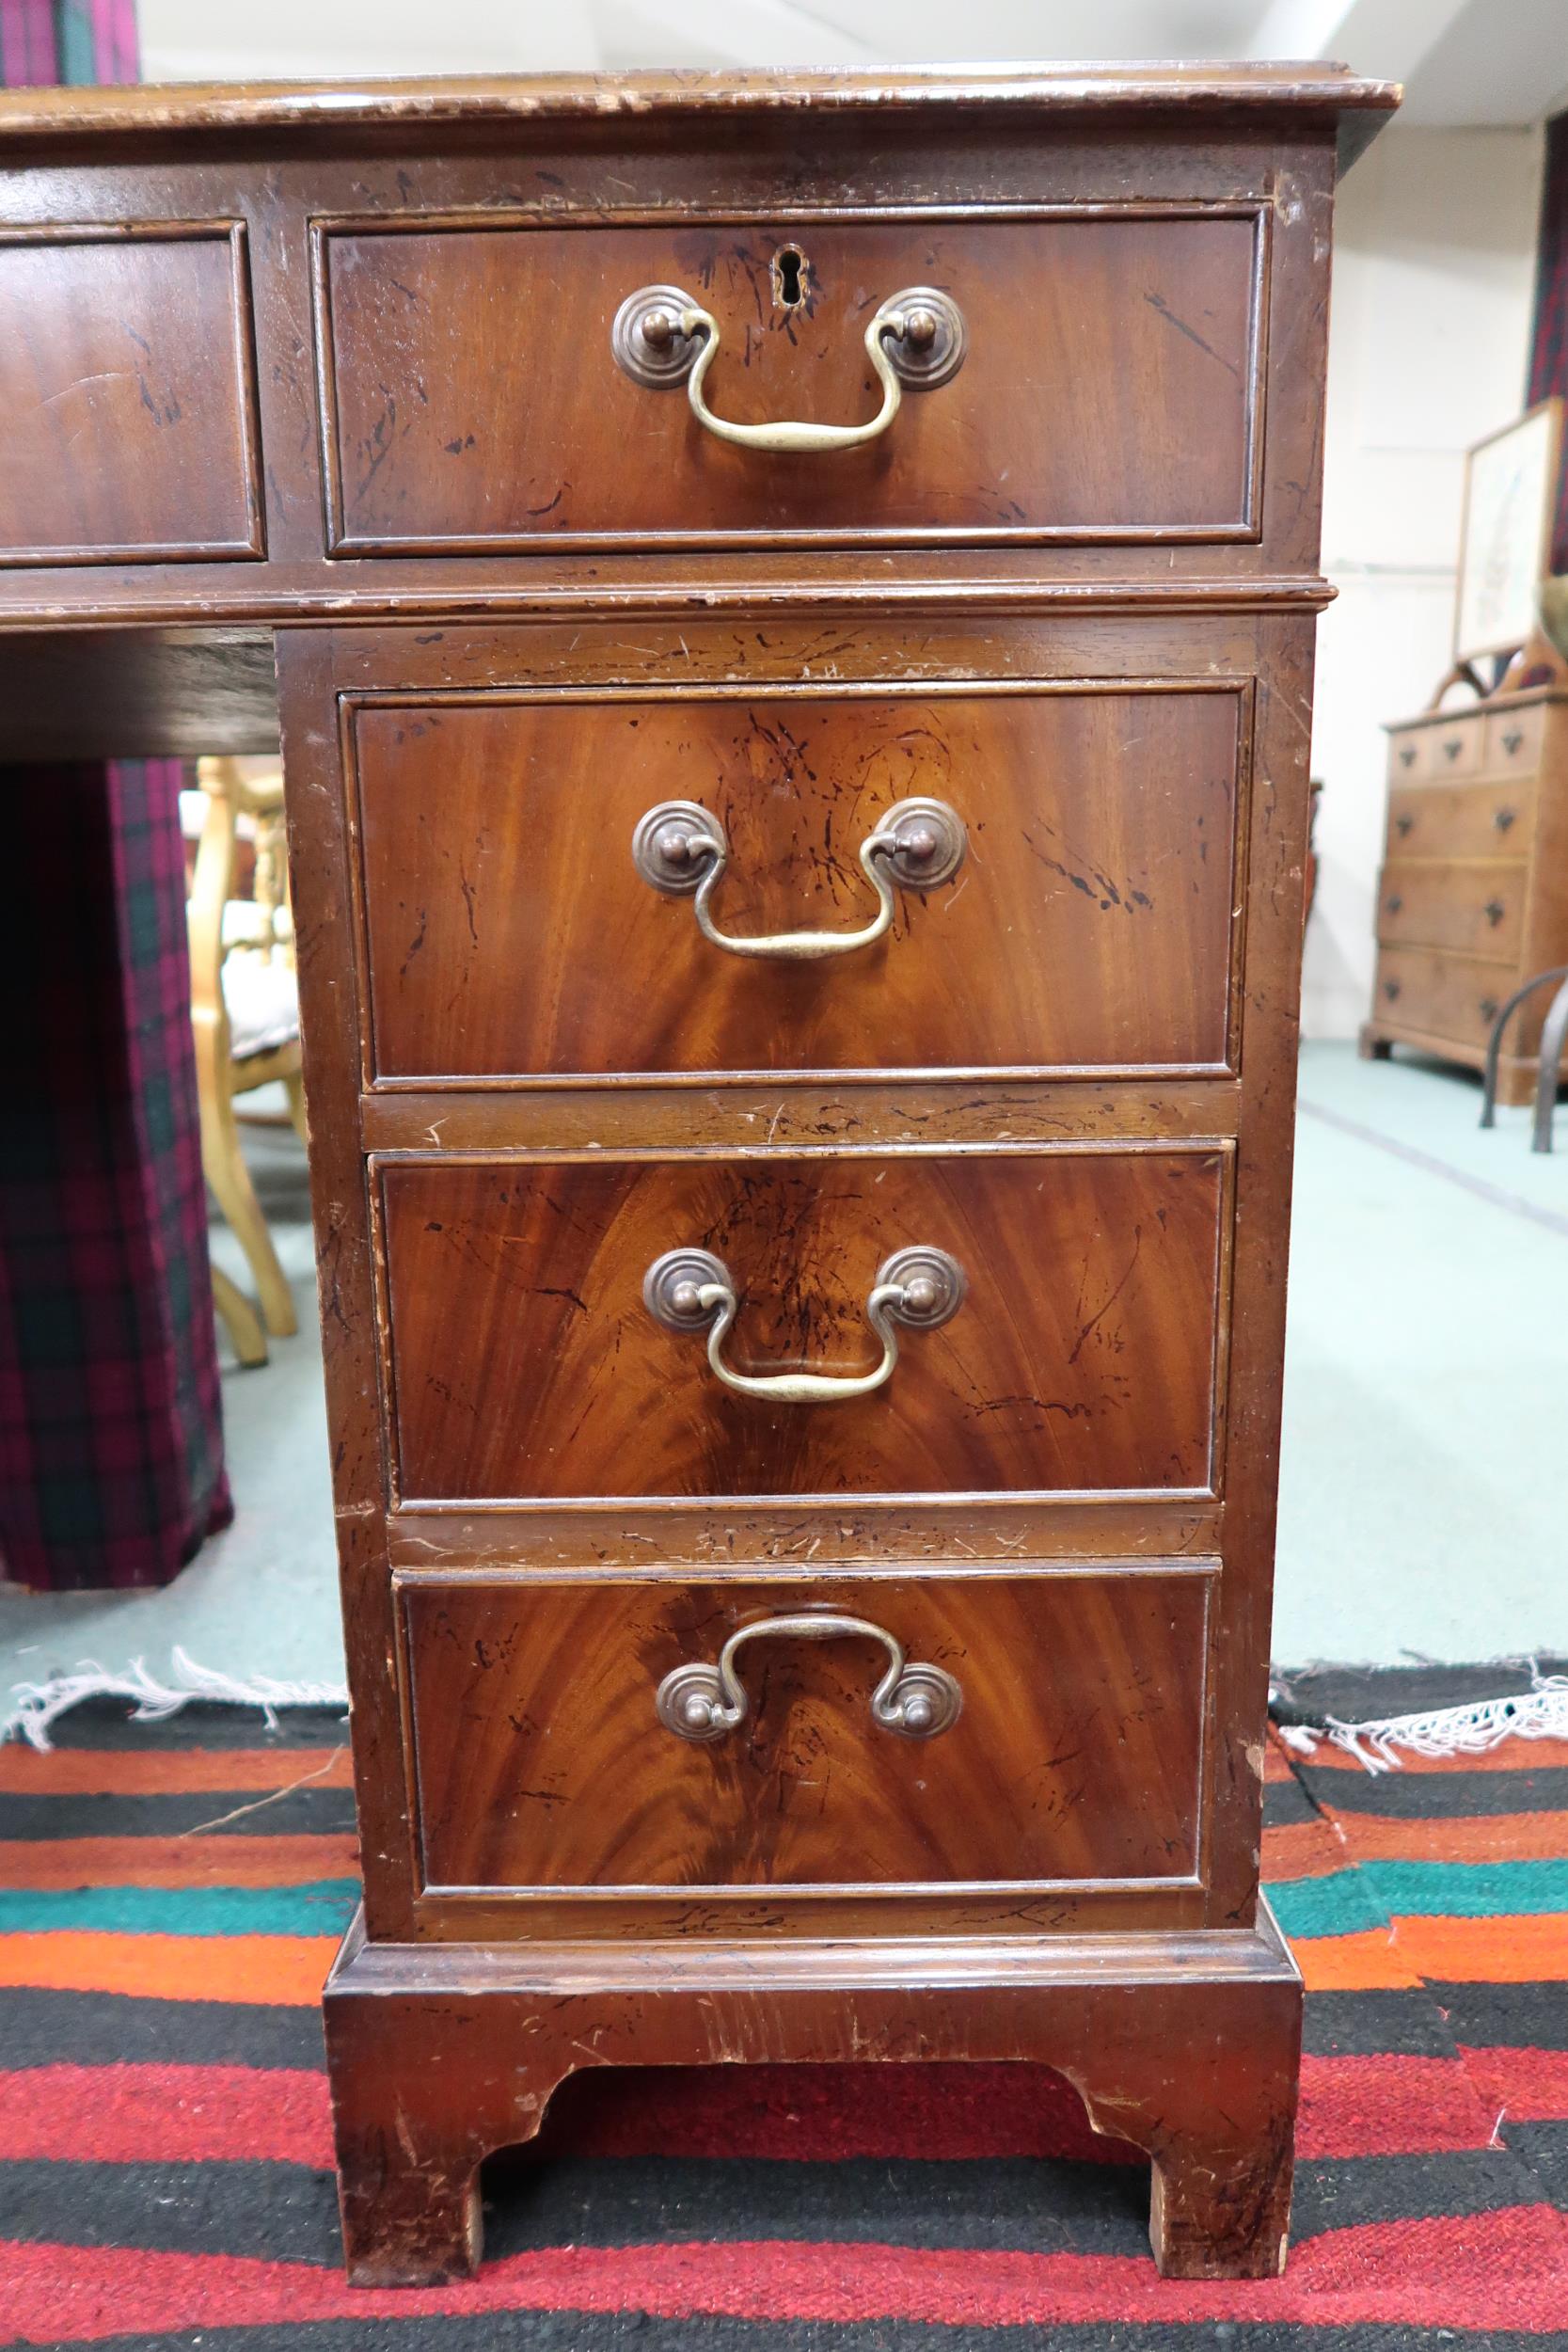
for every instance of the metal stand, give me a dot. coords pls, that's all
(1554, 1035)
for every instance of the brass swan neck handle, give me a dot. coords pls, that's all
(691, 1289)
(660, 337)
(681, 848)
(703, 1703)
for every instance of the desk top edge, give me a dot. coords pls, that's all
(199, 110)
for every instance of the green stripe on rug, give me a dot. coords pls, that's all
(1376, 1892)
(323, 1907)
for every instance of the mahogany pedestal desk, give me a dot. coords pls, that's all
(793, 604)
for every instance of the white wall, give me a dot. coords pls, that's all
(1434, 280)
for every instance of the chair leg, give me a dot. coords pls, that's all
(240, 1320)
(223, 1163)
(1554, 1035)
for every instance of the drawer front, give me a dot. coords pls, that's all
(1475, 907)
(1109, 386)
(509, 932)
(1452, 997)
(1515, 739)
(126, 384)
(527, 1363)
(1460, 820)
(543, 1760)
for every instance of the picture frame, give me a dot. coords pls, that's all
(1510, 486)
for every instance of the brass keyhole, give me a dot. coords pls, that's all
(789, 276)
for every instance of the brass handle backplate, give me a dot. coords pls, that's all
(691, 1289)
(680, 849)
(661, 338)
(703, 1702)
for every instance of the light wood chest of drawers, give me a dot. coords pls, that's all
(798, 936)
(1473, 896)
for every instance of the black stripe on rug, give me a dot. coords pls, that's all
(45, 2027)
(639, 2331)
(288, 2212)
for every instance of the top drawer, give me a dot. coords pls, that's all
(1109, 385)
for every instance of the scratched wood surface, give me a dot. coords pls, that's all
(476, 402)
(126, 385)
(543, 1763)
(509, 931)
(524, 1361)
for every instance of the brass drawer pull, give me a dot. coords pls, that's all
(1396, 904)
(705, 1702)
(681, 850)
(1513, 741)
(1503, 819)
(1407, 754)
(1493, 911)
(1453, 746)
(661, 338)
(691, 1289)
(1404, 824)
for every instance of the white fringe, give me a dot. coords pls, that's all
(1539, 1714)
(38, 1704)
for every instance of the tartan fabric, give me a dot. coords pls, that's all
(111, 1447)
(111, 1466)
(1548, 368)
(169, 1899)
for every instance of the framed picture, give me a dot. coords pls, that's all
(1505, 546)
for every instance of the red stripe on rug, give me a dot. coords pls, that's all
(1350, 2106)
(1390, 2107)
(165, 2115)
(1532, 2085)
(1498, 2270)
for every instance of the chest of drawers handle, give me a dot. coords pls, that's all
(1503, 819)
(703, 1703)
(1493, 911)
(661, 338)
(691, 1289)
(681, 848)
(1404, 824)
(1513, 741)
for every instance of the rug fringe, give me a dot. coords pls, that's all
(1539, 1714)
(38, 1705)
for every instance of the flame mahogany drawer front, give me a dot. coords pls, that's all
(1076, 909)
(1068, 1739)
(482, 395)
(1076, 1347)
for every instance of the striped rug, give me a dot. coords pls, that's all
(173, 1895)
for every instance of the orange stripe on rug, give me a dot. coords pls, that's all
(1512, 1948)
(167, 1771)
(1369, 1962)
(187, 1861)
(287, 1969)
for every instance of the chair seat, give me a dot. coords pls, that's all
(262, 1001)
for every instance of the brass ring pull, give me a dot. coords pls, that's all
(703, 1702)
(691, 1289)
(681, 850)
(660, 337)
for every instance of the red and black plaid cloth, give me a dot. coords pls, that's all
(111, 1443)
(174, 1896)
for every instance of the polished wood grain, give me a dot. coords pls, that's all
(524, 1361)
(510, 933)
(1110, 389)
(126, 382)
(541, 1764)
